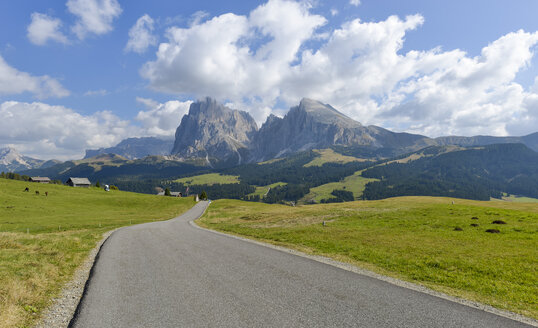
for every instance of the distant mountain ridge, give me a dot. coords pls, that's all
(530, 141)
(134, 148)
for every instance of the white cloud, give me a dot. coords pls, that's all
(355, 2)
(100, 92)
(13, 81)
(198, 16)
(213, 58)
(334, 12)
(274, 56)
(94, 16)
(140, 35)
(44, 28)
(162, 120)
(45, 131)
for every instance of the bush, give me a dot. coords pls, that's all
(498, 222)
(203, 196)
(167, 192)
(458, 229)
(493, 231)
(474, 224)
(113, 187)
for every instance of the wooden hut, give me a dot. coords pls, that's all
(39, 179)
(78, 182)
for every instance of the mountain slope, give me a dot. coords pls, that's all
(314, 125)
(473, 173)
(11, 161)
(134, 148)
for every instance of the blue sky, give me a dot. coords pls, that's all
(430, 67)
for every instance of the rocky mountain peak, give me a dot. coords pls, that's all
(215, 132)
(324, 113)
(11, 160)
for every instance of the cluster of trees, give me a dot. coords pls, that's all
(340, 196)
(471, 173)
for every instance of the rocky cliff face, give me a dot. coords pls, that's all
(134, 148)
(214, 132)
(314, 125)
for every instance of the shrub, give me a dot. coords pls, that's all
(458, 229)
(498, 222)
(474, 224)
(113, 187)
(203, 195)
(474, 218)
(493, 231)
(167, 192)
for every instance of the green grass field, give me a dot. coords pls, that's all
(262, 190)
(43, 239)
(209, 179)
(354, 183)
(411, 238)
(330, 156)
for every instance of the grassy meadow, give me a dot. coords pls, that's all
(209, 179)
(43, 239)
(354, 183)
(330, 156)
(425, 240)
(262, 190)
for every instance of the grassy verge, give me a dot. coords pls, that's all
(421, 239)
(43, 239)
(209, 179)
(354, 183)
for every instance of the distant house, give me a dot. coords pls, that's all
(39, 179)
(78, 182)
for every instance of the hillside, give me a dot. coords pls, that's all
(45, 238)
(473, 173)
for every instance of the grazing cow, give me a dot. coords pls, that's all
(37, 192)
(26, 189)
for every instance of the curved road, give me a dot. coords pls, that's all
(171, 274)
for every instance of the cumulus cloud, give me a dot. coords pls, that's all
(162, 120)
(274, 56)
(141, 35)
(44, 28)
(46, 131)
(355, 2)
(13, 81)
(94, 16)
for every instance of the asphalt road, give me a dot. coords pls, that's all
(171, 274)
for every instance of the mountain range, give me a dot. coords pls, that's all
(12, 161)
(135, 148)
(225, 137)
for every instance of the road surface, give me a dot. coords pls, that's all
(171, 274)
